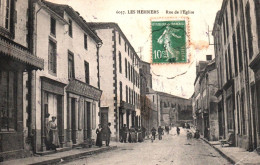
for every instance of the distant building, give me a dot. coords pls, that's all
(147, 105)
(119, 79)
(171, 109)
(205, 108)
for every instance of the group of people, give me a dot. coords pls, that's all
(160, 133)
(103, 134)
(135, 134)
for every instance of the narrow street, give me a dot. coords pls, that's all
(172, 150)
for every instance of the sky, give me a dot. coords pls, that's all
(137, 28)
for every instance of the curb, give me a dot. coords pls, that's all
(74, 157)
(220, 152)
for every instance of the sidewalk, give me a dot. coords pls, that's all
(59, 156)
(235, 155)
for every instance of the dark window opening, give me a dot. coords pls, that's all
(120, 62)
(86, 72)
(85, 41)
(52, 57)
(70, 28)
(249, 31)
(53, 26)
(71, 71)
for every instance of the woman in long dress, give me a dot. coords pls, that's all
(53, 132)
(99, 136)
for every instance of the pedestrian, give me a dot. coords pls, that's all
(99, 136)
(167, 129)
(132, 135)
(197, 134)
(153, 133)
(143, 132)
(178, 130)
(160, 132)
(139, 135)
(108, 134)
(125, 131)
(53, 139)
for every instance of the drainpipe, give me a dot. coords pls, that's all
(98, 74)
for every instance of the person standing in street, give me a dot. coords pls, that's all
(108, 134)
(153, 133)
(143, 132)
(160, 132)
(99, 136)
(125, 131)
(178, 130)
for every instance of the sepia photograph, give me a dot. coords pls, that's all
(133, 82)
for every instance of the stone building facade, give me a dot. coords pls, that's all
(205, 108)
(171, 110)
(236, 35)
(147, 105)
(68, 86)
(119, 79)
(18, 63)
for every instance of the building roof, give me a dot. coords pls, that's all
(169, 95)
(60, 8)
(110, 25)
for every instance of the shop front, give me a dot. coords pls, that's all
(15, 131)
(82, 108)
(52, 112)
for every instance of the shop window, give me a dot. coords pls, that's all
(8, 97)
(52, 57)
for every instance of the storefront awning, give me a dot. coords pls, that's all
(80, 88)
(18, 52)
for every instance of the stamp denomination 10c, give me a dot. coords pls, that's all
(169, 41)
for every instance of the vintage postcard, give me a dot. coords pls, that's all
(133, 82)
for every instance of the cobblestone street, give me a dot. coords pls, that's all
(171, 150)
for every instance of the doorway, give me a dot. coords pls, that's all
(73, 120)
(104, 117)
